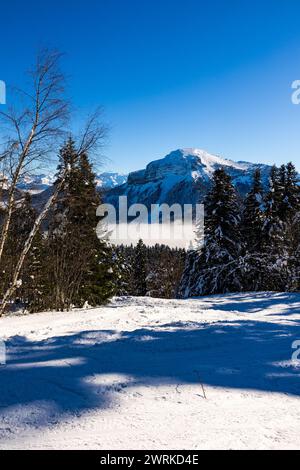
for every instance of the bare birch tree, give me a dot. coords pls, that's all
(32, 127)
(34, 130)
(92, 138)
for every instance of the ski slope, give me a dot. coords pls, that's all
(140, 373)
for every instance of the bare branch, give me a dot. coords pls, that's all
(34, 130)
(95, 132)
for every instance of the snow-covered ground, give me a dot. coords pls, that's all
(154, 374)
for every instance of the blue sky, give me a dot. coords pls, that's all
(183, 73)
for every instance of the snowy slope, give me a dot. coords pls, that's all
(183, 177)
(160, 374)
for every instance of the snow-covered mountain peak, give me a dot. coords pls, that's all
(197, 163)
(183, 176)
(210, 161)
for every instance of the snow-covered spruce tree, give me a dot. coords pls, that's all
(252, 228)
(123, 259)
(292, 225)
(98, 283)
(190, 278)
(217, 268)
(139, 278)
(274, 234)
(253, 214)
(80, 265)
(273, 225)
(292, 192)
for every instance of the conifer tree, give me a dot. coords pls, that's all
(292, 191)
(99, 283)
(123, 260)
(292, 225)
(216, 268)
(252, 229)
(275, 246)
(140, 270)
(273, 225)
(253, 215)
(81, 265)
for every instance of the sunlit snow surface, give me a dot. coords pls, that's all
(207, 373)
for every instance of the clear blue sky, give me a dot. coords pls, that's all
(171, 73)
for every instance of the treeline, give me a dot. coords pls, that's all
(249, 245)
(153, 271)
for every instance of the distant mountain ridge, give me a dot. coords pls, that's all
(183, 176)
(36, 184)
(109, 180)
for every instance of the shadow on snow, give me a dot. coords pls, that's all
(74, 373)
